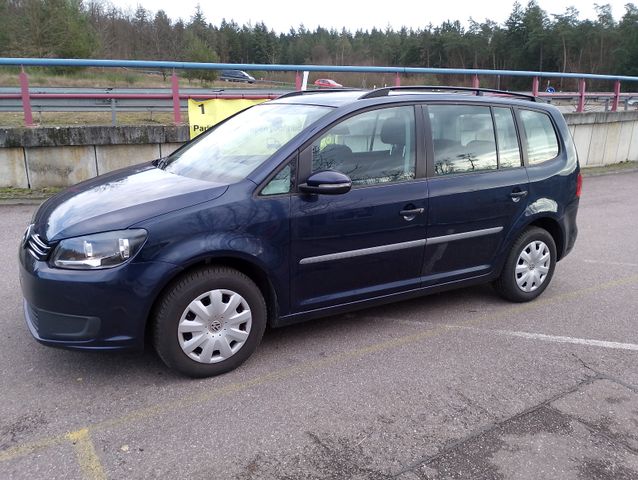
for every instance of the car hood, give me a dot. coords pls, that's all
(120, 199)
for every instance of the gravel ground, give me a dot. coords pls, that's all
(455, 385)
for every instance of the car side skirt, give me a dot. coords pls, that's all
(381, 300)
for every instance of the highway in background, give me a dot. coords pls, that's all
(153, 102)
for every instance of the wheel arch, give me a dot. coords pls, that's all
(551, 226)
(249, 268)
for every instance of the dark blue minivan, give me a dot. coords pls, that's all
(309, 205)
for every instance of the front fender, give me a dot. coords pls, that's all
(253, 230)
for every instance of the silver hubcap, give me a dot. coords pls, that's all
(214, 326)
(532, 266)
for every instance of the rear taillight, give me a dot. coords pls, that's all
(579, 185)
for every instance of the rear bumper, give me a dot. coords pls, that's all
(569, 227)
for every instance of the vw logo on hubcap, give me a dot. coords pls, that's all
(215, 326)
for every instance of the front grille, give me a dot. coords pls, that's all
(36, 246)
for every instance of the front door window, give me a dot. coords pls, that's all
(371, 148)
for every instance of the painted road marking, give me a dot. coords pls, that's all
(29, 448)
(282, 374)
(86, 455)
(579, 341)
(554, 338)
(620, 264)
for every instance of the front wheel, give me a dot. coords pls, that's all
(209, 321)
(529, 266)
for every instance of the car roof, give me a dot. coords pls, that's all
(327, 98)
(344, 97)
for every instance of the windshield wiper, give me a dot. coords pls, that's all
(161, 163)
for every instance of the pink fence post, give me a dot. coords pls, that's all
(26, 100)
(297, 80)
(397, 80)
(177, 114)
(581, 95)
(535, 86)
(614, 104)
(475, 82)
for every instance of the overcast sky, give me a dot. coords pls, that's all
(357, 14)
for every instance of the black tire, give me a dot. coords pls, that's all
(186, 289)
(506, 284)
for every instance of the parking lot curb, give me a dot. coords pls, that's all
(22, 201)
(610, 172)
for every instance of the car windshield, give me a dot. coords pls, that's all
(233, 149)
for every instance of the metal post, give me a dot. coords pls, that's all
(475, 82)
(26, 101)
(113, 114)
(177, 114)
(581, 95)
(297, 80)
(397, 80)
(614, 105)
(535, 86)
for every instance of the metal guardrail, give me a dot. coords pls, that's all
(118, 100)
(175, 96)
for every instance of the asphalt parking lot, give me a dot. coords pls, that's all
(456, 385)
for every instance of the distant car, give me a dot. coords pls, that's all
(326, 82)
(236, 76)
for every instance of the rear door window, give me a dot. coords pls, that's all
(542, 143)
(509, 154)
(463, 139)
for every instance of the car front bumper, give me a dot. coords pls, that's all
(91, 309)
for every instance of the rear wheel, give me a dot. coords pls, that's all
(209, 321)
(529, 266)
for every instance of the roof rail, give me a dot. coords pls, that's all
(319, 90)
(385, 91)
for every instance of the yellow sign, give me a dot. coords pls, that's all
(207, 113)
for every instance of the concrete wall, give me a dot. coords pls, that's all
(603, 138)
(63, 156)
(59, 157)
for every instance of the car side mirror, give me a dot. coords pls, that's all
(327, 182)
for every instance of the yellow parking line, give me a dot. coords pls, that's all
(153, 410)
(507, 312)
(29, 448)
(84, 447)
(577, 293)
(85, 453)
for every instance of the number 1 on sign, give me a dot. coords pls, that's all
(201, 106)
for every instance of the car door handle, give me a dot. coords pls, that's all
(516, 196)
(411, 213)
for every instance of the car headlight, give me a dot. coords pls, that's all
(102, 250)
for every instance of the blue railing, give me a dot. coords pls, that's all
(398, 71)
(67, 62)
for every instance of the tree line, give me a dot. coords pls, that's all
(530, 39)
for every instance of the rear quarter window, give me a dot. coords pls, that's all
(542, 142)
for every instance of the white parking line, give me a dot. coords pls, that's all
(557, 338)
(620, 264)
